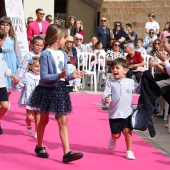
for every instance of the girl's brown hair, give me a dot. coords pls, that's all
(7, 20)
(53, 33)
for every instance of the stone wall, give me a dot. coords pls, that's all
(136, 12)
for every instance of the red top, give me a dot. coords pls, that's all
(82, 33)
(136, 59)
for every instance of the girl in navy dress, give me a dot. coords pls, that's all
(51, 95)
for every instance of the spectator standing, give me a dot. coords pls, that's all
(165, 32)
(80, 29)
(29, 20)
(37, 27)
(49, 18)
(103, 32)
(71, 27)
(152, 24)
(119, 34)
(131, 35)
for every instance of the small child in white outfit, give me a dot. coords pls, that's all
(118, 94)
(28, 83)
(100, 55)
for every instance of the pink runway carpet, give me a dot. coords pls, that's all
(89, 133)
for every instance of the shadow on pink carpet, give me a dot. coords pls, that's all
(89, 133)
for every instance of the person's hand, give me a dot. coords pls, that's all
(107, 99)
(98, 52)
(161, 56)
(127, 32)
(78, 74)
(153, 63)
(15, 79)
(10, 50)
(63, 74)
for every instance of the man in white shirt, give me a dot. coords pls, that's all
(152, 24)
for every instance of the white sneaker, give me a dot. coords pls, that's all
(130, 155)
(29, 129)
(35, 135)
(111, 143)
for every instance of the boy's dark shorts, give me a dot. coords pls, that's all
(3, 94)
(117, 125)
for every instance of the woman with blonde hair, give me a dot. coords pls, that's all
(80, 29)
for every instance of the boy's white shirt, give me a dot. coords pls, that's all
(121, 91)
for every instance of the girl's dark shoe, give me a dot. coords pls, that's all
(41, 154)
(71, 156)
(1, 131)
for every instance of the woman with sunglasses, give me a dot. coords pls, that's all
(119, 34)
(113, 53)
(148, 41)
(165, 32)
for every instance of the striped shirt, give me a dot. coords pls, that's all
(121, 91)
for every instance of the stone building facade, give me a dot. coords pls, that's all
(135, 12)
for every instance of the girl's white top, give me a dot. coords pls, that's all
(27, 83)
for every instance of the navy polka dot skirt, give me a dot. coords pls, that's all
(54, 100)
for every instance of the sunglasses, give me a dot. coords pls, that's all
(157, 43)
(41, 13)
(78, 39)
(103, 20)
(5, 25)
(117, 45)
(151, 33)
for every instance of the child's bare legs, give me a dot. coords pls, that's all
(116, 135)
(63, 130)
(3, 108)
(29, 119)
(30, 116)
(128, 138)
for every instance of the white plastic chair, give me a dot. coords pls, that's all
(100, 70)
(85, 59)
